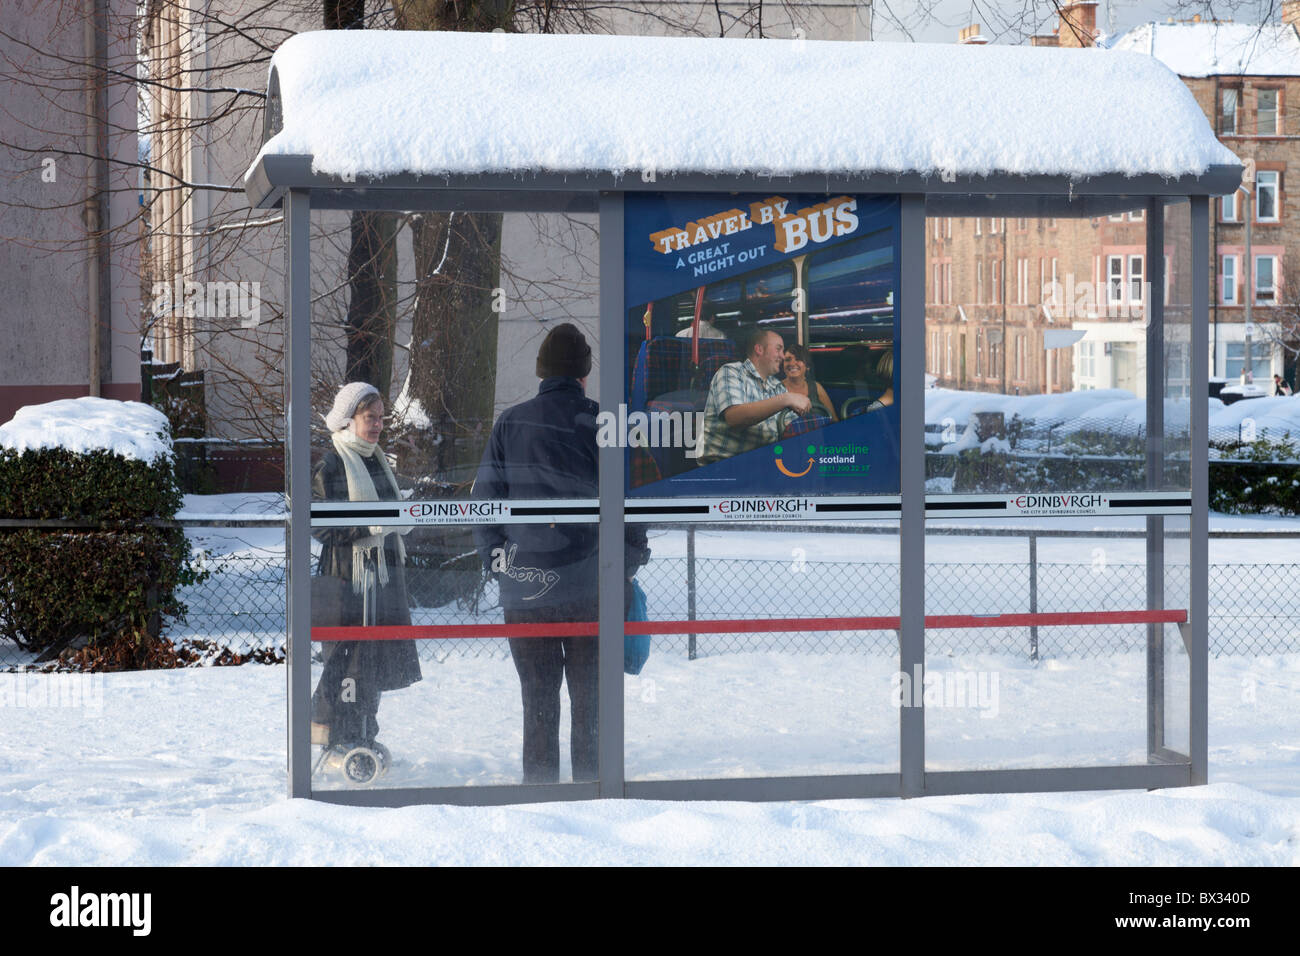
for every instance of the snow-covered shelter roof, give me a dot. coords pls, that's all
(1218, 49)
(349, 106)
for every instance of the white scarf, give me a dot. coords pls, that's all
(352, 448)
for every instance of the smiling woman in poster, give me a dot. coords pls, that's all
(800, 379)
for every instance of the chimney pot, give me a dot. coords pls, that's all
(1078, 24)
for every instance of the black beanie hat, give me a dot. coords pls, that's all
(564, 351)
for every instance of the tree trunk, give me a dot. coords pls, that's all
(458, 267)
(372, 303)
(372, 262)
(454, 337)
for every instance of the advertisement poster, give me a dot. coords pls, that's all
(761, 333)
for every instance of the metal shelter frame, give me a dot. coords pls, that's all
(290, 183)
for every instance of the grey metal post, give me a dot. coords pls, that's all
(1033, 594)
(297, 481)
(613, 338)
(1199, 543)
(1246, 279)
(1155, 469)
(690, 589)
(911, 466)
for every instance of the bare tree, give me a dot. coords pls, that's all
(197, 71)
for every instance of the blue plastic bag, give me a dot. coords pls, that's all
(636, 647)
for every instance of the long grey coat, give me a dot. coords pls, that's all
(376, 665)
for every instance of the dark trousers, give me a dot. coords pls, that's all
(543, 663)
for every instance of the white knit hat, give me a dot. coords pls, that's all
(345, 404)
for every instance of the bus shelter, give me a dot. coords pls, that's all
(744, 188)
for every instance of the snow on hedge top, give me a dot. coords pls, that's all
(83, 425)
(1218, 49)
(380, 102)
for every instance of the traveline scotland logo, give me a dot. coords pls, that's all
(847, 459)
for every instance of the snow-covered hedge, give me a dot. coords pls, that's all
(1264, 487)
(106, 585)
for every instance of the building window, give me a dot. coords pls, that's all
(1228, 280)
(1178, 370)
(1114, 279)
(1056, 296)
(936, 228)
(947, 227)
(1022, 224)
(979, 282)
(1022, 280)
(979, 353)
(1087, 360)
(995, 283)
(938, 285)
(1234, 360)
(1266, 280)
(977, 227)
(1228, 112)
(995, 226)
(948, 363)
(1266, 112)
(1116, 217)
(1020, 358)
(1137, 215)
(1135, 277)
(1228, 208)
(1266, 186)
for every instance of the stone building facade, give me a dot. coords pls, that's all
(69, 203)
(1042, 305)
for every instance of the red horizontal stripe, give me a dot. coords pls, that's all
(741, 626)
(453, 631)
(1048, 619)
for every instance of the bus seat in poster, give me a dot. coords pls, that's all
(806, 423)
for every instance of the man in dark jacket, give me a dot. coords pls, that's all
(540, 449)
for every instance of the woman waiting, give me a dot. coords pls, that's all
(799, 378)
(370, 563)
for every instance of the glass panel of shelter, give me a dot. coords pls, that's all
(734, 699)
(1036, 416)
(1173, 531)
(454, 629)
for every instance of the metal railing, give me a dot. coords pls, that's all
(1254, 607)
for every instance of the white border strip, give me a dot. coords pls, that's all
(752, 508)
(404, 514)
(401, 514)
(1063, 504)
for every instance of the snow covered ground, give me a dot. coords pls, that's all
(189, 767)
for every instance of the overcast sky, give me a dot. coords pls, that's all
(1008, 21)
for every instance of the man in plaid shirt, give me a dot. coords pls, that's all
(747, 405)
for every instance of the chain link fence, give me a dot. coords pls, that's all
(1254, 608)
